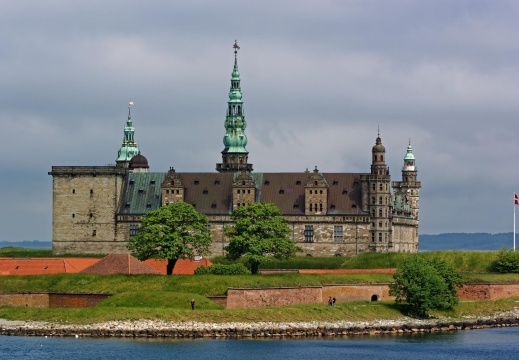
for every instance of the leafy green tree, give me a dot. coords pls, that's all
(425, 284)
(259, 231)
(172, 232)
(507, 262)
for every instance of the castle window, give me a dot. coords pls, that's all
(337, 233)
(91, 191)
(372, 237)
(354, 206)
(315, 183)
(205, 191)
(148, 206)
(178, 192)
(380, 212)
(141, 191)
(267, 182)
(296, 205)
(355, 183)
(373, 200)
(243, 204)
(380, 200)
(344, 192)
(196, 182)
(248, 191)
(281, 191)
(243, 182)
(298, 182)
(167, 191)
(309, 233)
(381, 157)
(320, 207)
(73, 216)
(217, 182)
(213, 206)
(320, 191)
(152, 182)
(73, 191)
(380, 224)
(380, 187)
(127, 205)
(132, 182)
(379, 237)
(332, 206)
(90, 215)
(238, 191)
(134, 229)
(94, 233)
(335, 182)
(194, 205)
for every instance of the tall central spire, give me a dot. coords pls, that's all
(235, 155)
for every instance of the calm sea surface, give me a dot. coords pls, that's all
(487, 344)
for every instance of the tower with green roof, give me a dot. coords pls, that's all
(234, 155)
(129, 147)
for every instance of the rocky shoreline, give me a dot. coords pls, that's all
(168, 329)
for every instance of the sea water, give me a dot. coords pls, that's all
(490, 344)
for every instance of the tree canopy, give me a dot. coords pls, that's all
(425, 284)
(259, 231)
(172, 232)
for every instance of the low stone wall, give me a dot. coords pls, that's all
(52, 300)
(164, 329)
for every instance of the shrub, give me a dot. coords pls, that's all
(425, 284)
(222, 269)
(507, 262)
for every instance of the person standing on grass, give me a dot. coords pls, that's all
(329, 301)
(333, 301)
(192, 304)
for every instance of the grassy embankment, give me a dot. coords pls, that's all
(162, 297)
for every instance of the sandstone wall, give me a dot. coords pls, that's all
(85, 201)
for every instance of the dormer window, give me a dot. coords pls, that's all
(335, 182)
(213, 206)
(298, 182)
(217, 182)
(344, 192)
(281, 191)
(267, 182)
(196, 182)
(205, 191)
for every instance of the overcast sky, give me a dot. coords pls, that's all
(318, 79)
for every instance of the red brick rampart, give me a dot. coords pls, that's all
(257, 298)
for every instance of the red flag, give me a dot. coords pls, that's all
(516, 199)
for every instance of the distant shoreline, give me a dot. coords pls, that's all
(168, 329)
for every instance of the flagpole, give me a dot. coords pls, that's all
(514, 217)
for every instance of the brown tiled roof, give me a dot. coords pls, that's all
(287, 190)
(44, 266)
(119, 264)
(210, 193)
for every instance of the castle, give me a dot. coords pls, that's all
(96, 209)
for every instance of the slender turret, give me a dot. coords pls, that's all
(235, 156)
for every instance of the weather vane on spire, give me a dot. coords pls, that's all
(236, 47)
(130, 103)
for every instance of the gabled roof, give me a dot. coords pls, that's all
(211, 193)
(119, 264)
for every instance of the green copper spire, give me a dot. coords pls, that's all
(235, 155)
(129, 147)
